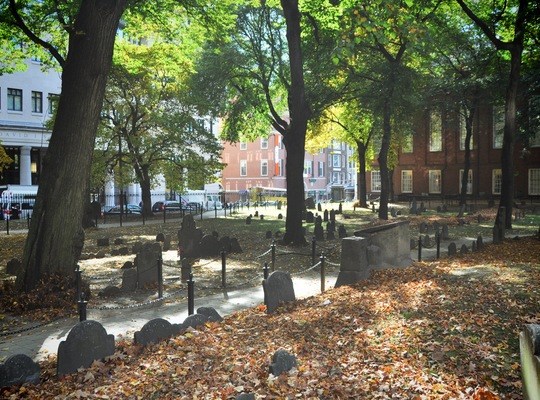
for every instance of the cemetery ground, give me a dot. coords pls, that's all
(444, 328)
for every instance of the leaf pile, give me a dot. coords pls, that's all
(437, 330)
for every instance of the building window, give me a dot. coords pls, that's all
(14, 99)
(406, 181)
(498, 127)
(308, 168)
(335, 177)
(469, 181)
(321, 168)
(375, 181)
(496, 179)
(463, 133)
(37, 102)
(53, 102)
(264, 167)
(435, 131)
(534, 181)
(279, 168)
(243, 146)
(264, 143)
(336, 160)
(435, 181)
(408, 144)
(243, 167)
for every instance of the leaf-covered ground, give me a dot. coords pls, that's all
(436, 330)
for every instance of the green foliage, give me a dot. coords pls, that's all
(5, 160)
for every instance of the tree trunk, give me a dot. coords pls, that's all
(383, 161)
(391, 196)
(507, 156)
(146, 193)
(469, 117)
(295, 136)
(56, 237)
(362, 189)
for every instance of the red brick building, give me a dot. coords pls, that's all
(432, 162)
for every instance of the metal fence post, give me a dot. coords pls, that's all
(420, 248)
(323, 273)
(160, 277)
(223, 269)
(273, 255)
(313, 249)
(82, 308)
(438, 239)
(191, 295)
(7, 223)
(215, 210)
(164, 213)
(265, 270)
(78, 282)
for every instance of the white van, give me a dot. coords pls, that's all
(17, 202)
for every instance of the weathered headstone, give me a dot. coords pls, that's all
(18, 369)
(340, 208)
(146, 263)
(423, 227)
(211, 313)
(319, 207)
(194, 321)
(13, 266)
(354, 261)
(278, 288)
(189, 236)
(248, 220)
(101, 242)
(318, 231)
(479, 242)
(101, 254)
(464, 249)
(123, 251)
(310, 217)
(325, 216)
(129, 280)
(208, 246)
(282, 361)
(280, 216)
(261, 217)
(154, 331)
(393, 212)
(119, 241)
(499, 226)
(160, 237)
(256, 214)
(137, 246)
(452, 249)
(127, 265)
(235, 246)
(332, 215)
(426, 241)
(342, 232)
(86, 342)
(444, 232)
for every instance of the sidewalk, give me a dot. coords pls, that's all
(40, 342)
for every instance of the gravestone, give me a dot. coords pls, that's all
(86, 342)
(319, 207)
(256, 214)
(146, 264)
(194, 321)
(101, 254)
(119, 241)
(155, 331)
(18, 369)
(280, 216)
(414, 207)
(318, 231)
(452, 249)
(261, 217)
(129, 280)
(393, 212)
(479, 242)
(160, 237)
(208, 246)
(332, 215)
(225, 244)
(354, 261)
(499, 228)
(444, 232)
(268, 235)
(189, 236)
(342, 232)
(211, 313)
(278, 288)
(13, 266)
(464, 249)
(101, 242)
(310, 203)
(310, 217)
(426, 241)
(137, 246)
(282, 361)
(123, 251)
(330, 230)
(340, 208)
(423, 227)
(325, 216)
(235, 246)
(529, 351)
(248, 220)
(127, 265)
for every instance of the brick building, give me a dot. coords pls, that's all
(431, 163)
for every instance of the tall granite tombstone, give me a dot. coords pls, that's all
(86, 342)
(189, 236)
(318, 231)
(310, 217)
(452, 249)
(332, 215)
(325, 216)
(444, 232)
(354, 262)
(319, 207)
(18, 369)
(278, 289)
(146, 263)
(499, 228)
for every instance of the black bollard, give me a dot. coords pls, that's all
(323, 272)
(82, 308)
(7, 224)
(160, 277)
(420, 248)
(223, 269)
(265, 270)
(78, 282)
(164, 213)
(273, 255)
(191, 295)
(313, 249)
(438, 239)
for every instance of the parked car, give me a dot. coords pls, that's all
(128, 209)
(11, 209)
(173, 206)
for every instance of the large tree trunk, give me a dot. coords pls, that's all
(469, 117)
(56, 237)
(146, 193)
(362, 189)
(295, 136)
(383, 160)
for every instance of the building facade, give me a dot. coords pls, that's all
(27, 101)
(431, 163)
